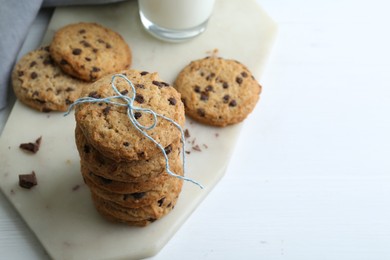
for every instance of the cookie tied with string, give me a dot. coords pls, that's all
(107, 126)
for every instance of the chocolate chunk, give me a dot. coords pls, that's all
(225, 85)
(187, 133)
(31, 147)
(239, 80)
(69, 89)
(33, 63)
(108, 46)
(28, 181)
(82, 31)
(164, 84)
(161, 201)
(226, 98)
(244, 74)
(168, 149)
(106, 110)
(144, 73)
(33, 75)
(137, 115)
(76, 51)
(197, 89)
(95, 69)
(139, 98)
(201, 112)
(233, 103)
(172, 101)
(126, 144)
(88, 59)
(95, 50)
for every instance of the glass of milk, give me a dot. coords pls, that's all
(175, 20)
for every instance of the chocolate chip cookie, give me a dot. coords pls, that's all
(39, 83)
(89, 51)
(109, 130)
(217, 91)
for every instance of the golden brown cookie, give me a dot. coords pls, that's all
(126, 171)
(89, 51)
(39, 83)
(217, 91)
(108, 128)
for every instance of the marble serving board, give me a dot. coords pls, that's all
(59, 210)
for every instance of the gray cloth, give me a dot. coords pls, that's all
(16, 17)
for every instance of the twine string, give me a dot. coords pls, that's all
(128, 101)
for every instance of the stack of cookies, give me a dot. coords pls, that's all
(52, 77)
(126, 171)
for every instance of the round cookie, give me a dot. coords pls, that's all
(217, 91)
(138, 199)
(89, 51)
(126, 171)
(108, 128)
(39, 83)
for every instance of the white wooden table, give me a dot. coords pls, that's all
(310, 178)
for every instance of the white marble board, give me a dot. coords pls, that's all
(59, 210)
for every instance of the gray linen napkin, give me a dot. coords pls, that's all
(16, 17)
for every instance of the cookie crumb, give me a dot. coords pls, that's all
(196, 148)
(76, 187)
(28, 181)
(187, 133)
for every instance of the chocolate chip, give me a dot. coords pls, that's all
(124, 92)
(95, 69)
(35, 93)
(69, 89)
(126, 144)
(88, 59)
(151, 219)
(144, 73)
(140, 86)
(168, 149)
(63, 62)
(137, 115)
(46, 48)
(76, 51)
(48, 61)
(20, 73)
(95, 50)
(33, 63)
(33, 75)
(244, 74)
(201, 112)
(87, 149)
(46, 110)
(157, 83)
(27, 181)
(172, 101)
(201, 73)
(82, 31)
(210, 76)
(197, 89)
(233, 103)
(225, 85)
(204, 96)
(68, 101)
(136, 195)
(239, 80)
(100, 41)
(139, 98)
(94, 94)
(106, 110)
(226, 98)
(209, 88)
(161, 201)
(169, 205)
(164, 84)
(108, 46)
(85, 43)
